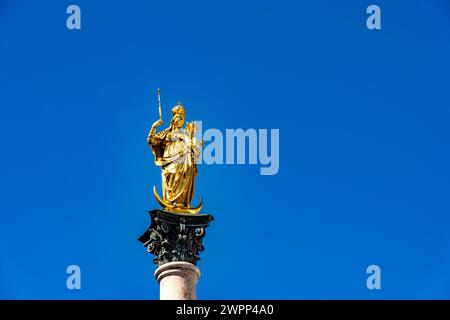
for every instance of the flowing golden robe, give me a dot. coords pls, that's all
(176, 152)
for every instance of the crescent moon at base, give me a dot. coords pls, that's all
(168, 207)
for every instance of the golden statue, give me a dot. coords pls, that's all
(176, 151)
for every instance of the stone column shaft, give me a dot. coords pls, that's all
(177, 281)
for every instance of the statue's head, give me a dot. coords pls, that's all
(178, 115)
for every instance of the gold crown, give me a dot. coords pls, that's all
(178, 109)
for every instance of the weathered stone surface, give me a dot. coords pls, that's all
(177, 280)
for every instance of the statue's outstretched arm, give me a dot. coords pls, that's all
(151, 138)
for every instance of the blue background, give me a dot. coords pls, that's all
(364, 145)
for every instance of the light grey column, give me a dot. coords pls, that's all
(177, 280)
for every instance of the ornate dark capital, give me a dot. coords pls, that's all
(175, 237)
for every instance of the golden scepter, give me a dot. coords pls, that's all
(159, 104)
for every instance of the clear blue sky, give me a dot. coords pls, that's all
(364, 145)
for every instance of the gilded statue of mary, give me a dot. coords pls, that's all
(176, 151)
